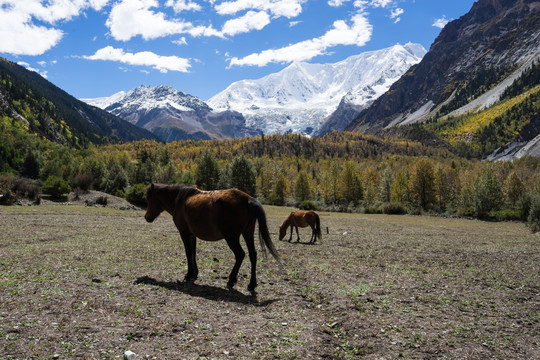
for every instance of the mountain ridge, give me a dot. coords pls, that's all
(43, 108)
(172, 114)
(314, 91)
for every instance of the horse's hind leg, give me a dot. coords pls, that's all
(239, 254)
(313, 236)
(252, 251)
(297, 235)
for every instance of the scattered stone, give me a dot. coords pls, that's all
(130, 355)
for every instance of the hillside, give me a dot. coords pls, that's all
(31, 102)
(467, 69)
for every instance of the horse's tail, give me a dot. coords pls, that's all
(317, 227)
(264, 234)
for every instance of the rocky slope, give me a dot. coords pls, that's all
(495, 34)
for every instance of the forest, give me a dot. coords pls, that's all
(341, 171)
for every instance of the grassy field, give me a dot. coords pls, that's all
(84, 282)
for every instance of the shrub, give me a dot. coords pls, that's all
(7, 196)
(372, 210)
(394, 208)
(55, 186)
(308, 205)
(506, 215)
(136, 194)
(83, 181)
(102, 200)
(533, 220)
(487, 194)
(466, 212)
(26, 188)
(524, 205)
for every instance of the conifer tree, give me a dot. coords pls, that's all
(280, 188)
(400, 189)
(487, 193)
(422, 184)
(242, 175)
(302, 188)
(207, 172)
(370, 183)
(351, 185)
(513, 189)
(385, 185)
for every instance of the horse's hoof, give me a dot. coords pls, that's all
(251, 289)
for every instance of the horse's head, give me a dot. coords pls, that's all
(154, 205)
(282, 231)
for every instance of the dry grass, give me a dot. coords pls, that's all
(81, 282)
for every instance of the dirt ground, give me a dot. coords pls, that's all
(92, 283)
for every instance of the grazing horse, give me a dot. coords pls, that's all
(212, 216)
(301, 219)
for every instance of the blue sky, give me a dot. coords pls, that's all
(94, 48)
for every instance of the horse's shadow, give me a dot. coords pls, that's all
(205, 291)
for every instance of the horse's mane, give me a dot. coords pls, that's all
(184, 191)
(176, 191)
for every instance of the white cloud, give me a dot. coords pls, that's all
(183, 5)
(395, 14)
(381, 3)
(22, 36)
(337, 3)
(358, 33)
(250, 21)
(440, 23)
(181, 41)
(144, 58)
(129, 18)
(28, 67)
(278, 8)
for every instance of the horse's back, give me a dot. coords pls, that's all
(213, 215)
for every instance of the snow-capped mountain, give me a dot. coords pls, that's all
(301, 97)
(171, 114)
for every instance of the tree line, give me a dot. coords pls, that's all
(342, 171)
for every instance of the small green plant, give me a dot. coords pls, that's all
(506, 215)
(394, 208)
(55, 186)
(136, 194)
(308, 205)
(372, 210)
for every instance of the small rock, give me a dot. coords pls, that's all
(130, 355)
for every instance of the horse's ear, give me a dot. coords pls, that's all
(152, 187)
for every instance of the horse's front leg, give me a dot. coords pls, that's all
(190, 246)
(290, 237)
(297, 235)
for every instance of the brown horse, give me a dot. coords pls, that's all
(301, 219)
(212, 216)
